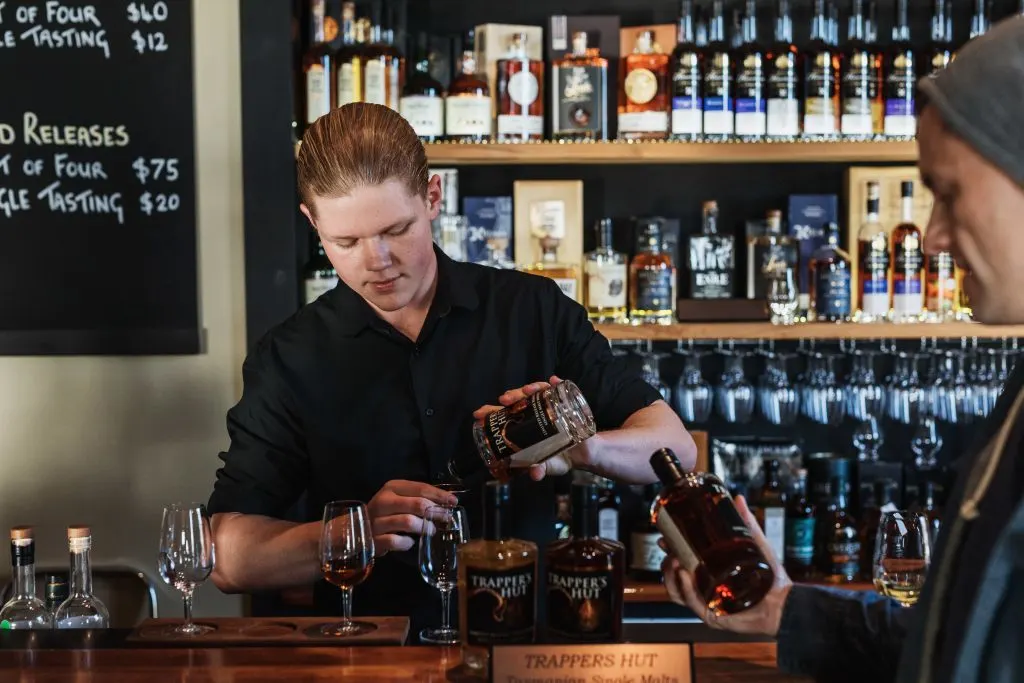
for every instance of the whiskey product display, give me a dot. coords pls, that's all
(874, 301)
(422, 103)
(800, 536)
(644, 95)
(783, 78)
(585, 577)
(652, 278)
(24, 609)
(604, 278)
(712, 258)
(770, 508)
(822, 68)
(520, 93)
(497, 583)
(705, 532)
(941, 287)
(565, 275)
(82, 609)
(751, 116)
(645, 555)
(687, 103)
(769, 256)
(319, 276)
(830, 280)
(838, 541)
(384, 69)
(942, 48)
(579, 87)
(318, 67)
(861, 80)
(718, 77)
(351, 59)
(908, 262)
(467, 113)
(901, 78)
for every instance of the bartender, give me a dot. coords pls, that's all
(370, 390)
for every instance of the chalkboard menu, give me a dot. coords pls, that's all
(97, 178)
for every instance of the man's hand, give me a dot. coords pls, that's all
(763, 618)
(398, 509)
(553, 467)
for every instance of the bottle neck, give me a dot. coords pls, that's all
(81, 572)
(468, 63)
(907, 205)
(497, 522)
(901, 29)
(839, 498)
(24, 569)
(783, 24)
(819, 24)
(585, 521)
(710, 223)
(317, 10)
(750, 24)
(716, 27)
(873, 211)
(979, 22)
(604, 237)
(685, 34)
(856, 26)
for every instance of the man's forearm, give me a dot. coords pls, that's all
(624, 454)
(256, 553)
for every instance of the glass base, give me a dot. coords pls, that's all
(192, 629)
(439, 636)
(347, 629)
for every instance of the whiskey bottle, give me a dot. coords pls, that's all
(695, 514)
(525, 433)
(82, 609)
(56, 592)
(520, 84)
(783, 81)
(931, 512)
(900, 78)
(942, 48)
(350, 59)
(497, 583)
(24, 610)
(579, 93)
(608, 503)
(880, 502)
(908, 262)
(823, 68)
(830, 279)
(770, 510)
(467, 114)
(644, 95)
(861, 80)
(800, 536)
(565, 275)
(769, 256)
(422, 103)
(319, 276)
(712, 258)
(719, 121)
(645, 555)
(585, 577)
(604, 278)
(874, 301)
(450, 228)
(751, 116)
(687, 107)
(941, 287)
(384, 68)
(839, 543)
(652, 279)
(318, 66)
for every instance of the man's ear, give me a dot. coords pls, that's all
(434, 196)
(308, 214)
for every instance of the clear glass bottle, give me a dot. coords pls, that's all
(908, 262)
(579, 93)
(604, 282)
(644, 95)
(520, 93)
(82, 609)
(652, 279)
(687, 115)
(712, 258)
(450, 228)
(874, 299)
(24, 610)
(769, 256)
(830, 279)
(980, 18)
(942, 48)
(319, 276)
(941, 287)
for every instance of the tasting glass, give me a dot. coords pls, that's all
(186, 557)
(650, 369)
(824, 401)
(952, 396)
(903, 552)
(926, 441)
(694, 395)
(778, 399)
(444, 530)
(734, 395)
(905, 395)
(783, 297)
(346, 559)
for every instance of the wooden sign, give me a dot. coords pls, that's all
(632, 663)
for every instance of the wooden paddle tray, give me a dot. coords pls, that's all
(291, 631)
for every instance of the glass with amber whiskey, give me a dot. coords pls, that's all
(652, 279)
(705, 532)
(520, 85)
(644, 95)
(604, 282)
(579, 93)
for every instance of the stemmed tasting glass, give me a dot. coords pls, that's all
(444, 530)
(903, 552)
(651, 372)
(186, 557)
(905, 393)
(693, 393)
(734, 396)
(778, 399)
(346, 559)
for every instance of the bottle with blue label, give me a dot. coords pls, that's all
(830, 279)
(782, 77)
(900, 79)
(718, 84)
(874, 296)
(687, 102)
(751, 117)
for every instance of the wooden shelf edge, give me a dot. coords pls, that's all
(639, 592)
(764, 330)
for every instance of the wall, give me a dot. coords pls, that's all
(109, 441)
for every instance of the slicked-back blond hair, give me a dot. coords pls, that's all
(359, 144)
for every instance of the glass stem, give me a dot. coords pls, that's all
(346, 606)
(446, 603)
(187, 598)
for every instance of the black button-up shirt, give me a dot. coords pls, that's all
(337, 402)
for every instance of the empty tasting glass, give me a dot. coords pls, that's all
(905, 393)
(651, 372)
(694, 395)
(902, 554)
(444, 530)
(864, 394)
(778, 399)
(951, 396)
(734, 396)
(824, 401)
(186, 557)
(346, 559)
(926, 442)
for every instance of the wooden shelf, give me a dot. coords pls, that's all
(766, 330)
(640, 592)
(670, 152)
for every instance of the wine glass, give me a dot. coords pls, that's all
(651, 372)
(444, 530)
(693, 392)
(734, 396)
(186, 557)
(783, 297)
(778, 399)
(903, 553)
(346, 559)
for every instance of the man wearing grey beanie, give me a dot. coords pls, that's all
(968, 626)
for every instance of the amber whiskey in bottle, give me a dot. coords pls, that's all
(350, 57)
(705, 532)
(579, 93)
(468, 105)
(422, 103)
(800, 536)
(652, 279)
(645, 555)
(604, 279)
(520, 84)
(769, 256)
(384, 68)
(770, 509)
(644, 95)
(822, 71)
(838, 540)
(881, 501)
(318, 66)
(497, 584)
(585, 577)
(900, 78)
(565, 275)
(830, 279)
(873, 292)
(908, 262)
(861, 80)
(941, 287)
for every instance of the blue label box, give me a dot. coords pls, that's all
(487, 215)
(808, 216)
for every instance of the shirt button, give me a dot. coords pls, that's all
(430, 412)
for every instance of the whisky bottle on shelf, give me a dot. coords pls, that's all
(450, 228)
(783, 80)
(900, 78)
(874, 301)
(830, 279)
(861, 80)
(319, 276)
(585, 577)
(467, 114)
(579, 93)
(384, 69)
(318, 66)
(839, 543)
(652, 279)
(769, 256)
(800, 536)
(942, 48)
(712, 258)
(644, 95)
(822, 72)
(520, 84)
(719, 121)
(687, 108)
(941, 295)
(695, 514)
(604, 278)
(880, 502)
(751, 116)
(422, 103)
(497, 583)
(645, 555)
(565, 275)
(770, 510)
(908, 262)
(608, 503)
(350, 59)
(82, 609)
(24, 610)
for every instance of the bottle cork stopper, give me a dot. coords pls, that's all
(79, 532)
(22, 533)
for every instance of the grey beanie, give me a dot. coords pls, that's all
(980, 96)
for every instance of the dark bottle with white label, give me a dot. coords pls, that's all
(645, 555)
(861, 80)
(497, 583)
(579, 100)
(822, 68)
(900, 78)
(838, 540)
(783, 79)
(800, 521)
(585, 576)
(422, 103)
(687, 103)
(718, 74)
(908, 267)
(830, 279)
(608, 503)
(712, 258)
(652, 278)
(751, 116)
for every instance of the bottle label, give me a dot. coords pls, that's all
(579, 92)
(376, 82)
(899, 96)
(774, 527)
(468, 115)
(315, 287)
(820, 115)
(425, 114)
(646, 554)
(654, 289)
(874, 275)
(751, 117)
(907, 286)
(718, 114)
(520, 125)
(940, 296)
(523, 88)
(606, 285)
(766, 263)
(23, 553)
(500, 606)
(711, 266)
(844, 558)
(859, 87)
(608, 524)
(567, 285)
(832, 293)
(641, 86)
(525, 428)
(687, 103)
(643, 122)
(783, 106)
(800, 542)
(318, 99)
(347, 83)
(582, 605)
